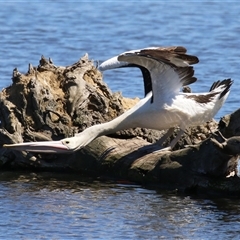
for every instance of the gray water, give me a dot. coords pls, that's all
(43, 206)
(61, 206)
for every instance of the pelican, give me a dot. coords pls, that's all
(165, 71)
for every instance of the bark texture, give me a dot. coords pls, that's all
(51, 102)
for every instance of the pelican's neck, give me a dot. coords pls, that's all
(127, 120)
(123, 121)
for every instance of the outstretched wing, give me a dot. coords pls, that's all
(163, 68)
(169, 68)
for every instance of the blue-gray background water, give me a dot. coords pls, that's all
(40, 206)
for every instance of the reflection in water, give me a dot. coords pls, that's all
(64, 206)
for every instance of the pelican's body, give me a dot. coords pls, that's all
(181, 111)
(165, 71)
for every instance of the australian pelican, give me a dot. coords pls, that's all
(165, 71)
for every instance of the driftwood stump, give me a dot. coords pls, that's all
(51, 102)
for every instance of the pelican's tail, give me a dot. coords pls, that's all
(221, 87)
(214, 99)
(221, 90)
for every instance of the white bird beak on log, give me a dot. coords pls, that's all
(40, 147)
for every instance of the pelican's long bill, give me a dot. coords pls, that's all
(40, 147)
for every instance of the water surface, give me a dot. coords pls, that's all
(43, 206)
(62, 206)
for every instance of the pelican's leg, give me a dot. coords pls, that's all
(158, 144)
(165, 136)
(173, 142)
(176, 139)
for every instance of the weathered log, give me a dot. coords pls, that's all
(51, 102)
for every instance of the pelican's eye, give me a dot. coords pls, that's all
(67, 142)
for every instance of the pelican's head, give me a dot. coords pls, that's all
(72, 143)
